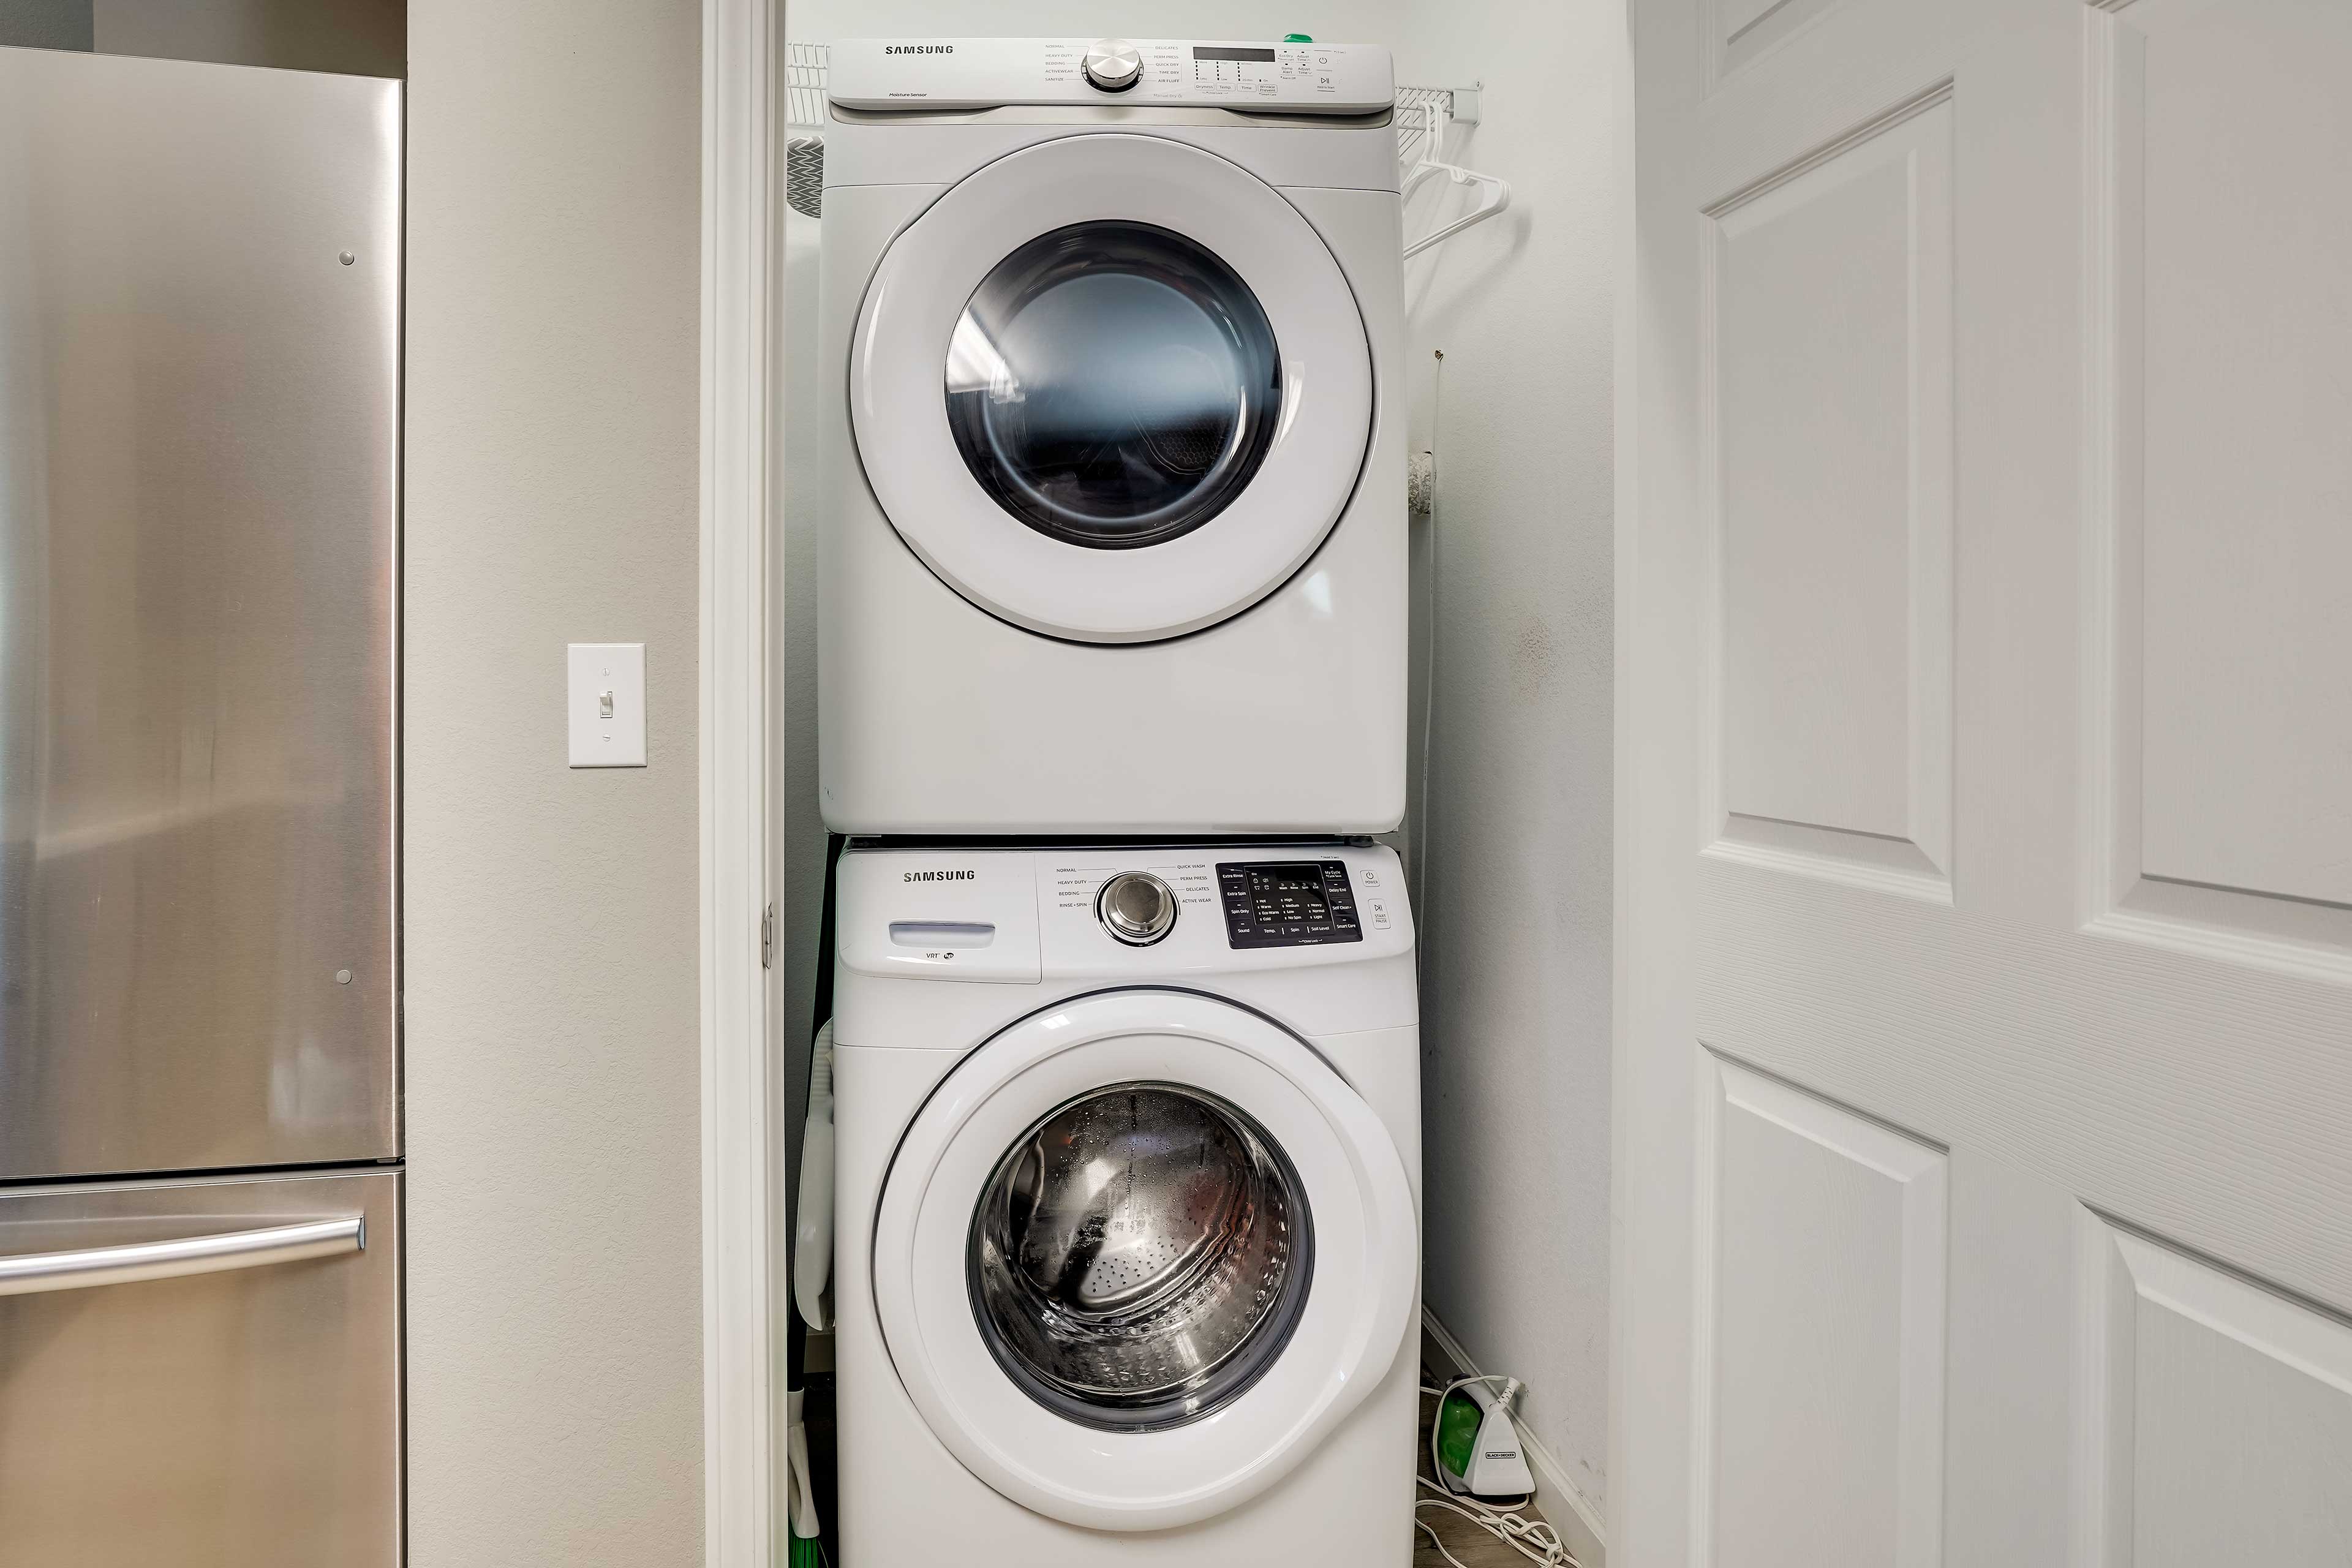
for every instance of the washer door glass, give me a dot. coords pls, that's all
(1113, 385)
(1141, 1257)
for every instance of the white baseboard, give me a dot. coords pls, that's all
(1579, 1521)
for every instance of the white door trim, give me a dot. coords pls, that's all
(741, 1391)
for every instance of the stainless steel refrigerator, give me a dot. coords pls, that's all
(200, 1133)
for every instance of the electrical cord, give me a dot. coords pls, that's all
(1533, 1539)
(1429, 672)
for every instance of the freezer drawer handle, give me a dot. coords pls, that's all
(169, 1259)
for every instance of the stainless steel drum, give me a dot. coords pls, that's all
(1141, 1257)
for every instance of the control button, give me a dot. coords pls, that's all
(1113, 64)
(1137, 908)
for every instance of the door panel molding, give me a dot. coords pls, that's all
(2213, 1415)
(1820, 1234)
(2121, 897)
(1828, 678)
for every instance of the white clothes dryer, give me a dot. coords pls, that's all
(1126, 1217)
(1115, 539)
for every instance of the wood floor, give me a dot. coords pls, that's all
(1471, 1546)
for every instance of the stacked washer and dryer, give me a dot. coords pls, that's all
(1125, 1042)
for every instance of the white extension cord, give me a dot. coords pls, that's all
(1533, 1539)
(1422, 493)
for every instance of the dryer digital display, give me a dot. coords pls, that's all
(1287, 903)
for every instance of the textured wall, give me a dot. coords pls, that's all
(554, 1328)
(1514, 894)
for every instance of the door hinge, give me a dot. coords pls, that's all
(768, 938)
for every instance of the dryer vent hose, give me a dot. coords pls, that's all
(804, 176)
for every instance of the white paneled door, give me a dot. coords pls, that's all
(1984, 1136)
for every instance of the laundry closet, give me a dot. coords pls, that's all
(1194, 791)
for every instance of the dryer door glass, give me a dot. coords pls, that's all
(1113, 385)
(1141, 1257)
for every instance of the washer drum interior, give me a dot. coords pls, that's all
(1139, 1257)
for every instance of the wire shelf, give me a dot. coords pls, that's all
(1413, 107)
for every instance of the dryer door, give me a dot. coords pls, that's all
(1139, 1254)
(1111, 388)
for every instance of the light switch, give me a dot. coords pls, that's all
(607, 704)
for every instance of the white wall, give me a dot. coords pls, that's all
(1517, 913)
(554, 1317)
(1514, 894)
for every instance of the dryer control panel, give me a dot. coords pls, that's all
(936, 74)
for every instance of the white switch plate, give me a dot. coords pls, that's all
(599, 668)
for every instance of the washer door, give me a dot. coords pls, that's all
(1139, 1254)
(1111, 388)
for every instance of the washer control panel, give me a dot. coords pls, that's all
(1288, 903)
(936, 74)
(1122, 914)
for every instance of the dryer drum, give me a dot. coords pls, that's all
(1139, 1257)
(1113, 385)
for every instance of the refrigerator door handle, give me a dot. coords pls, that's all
(77, 1269)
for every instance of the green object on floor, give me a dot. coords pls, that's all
(1457, 1432)
(805, 1553)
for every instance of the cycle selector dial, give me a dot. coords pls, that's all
(1113, 64)
(1137, 908)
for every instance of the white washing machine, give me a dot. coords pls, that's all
(1127, 1177)
(1115, 539)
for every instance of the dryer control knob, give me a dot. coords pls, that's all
(1136, 907)
(1114, 65)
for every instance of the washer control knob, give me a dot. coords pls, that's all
(1136, 907)
(1113, 64)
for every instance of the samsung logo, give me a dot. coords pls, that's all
(937, 876)
(918, 49)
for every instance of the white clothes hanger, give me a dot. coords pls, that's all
(1494, 194)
